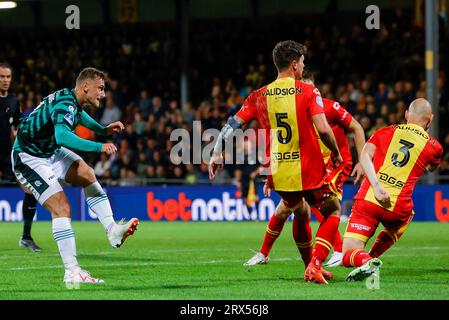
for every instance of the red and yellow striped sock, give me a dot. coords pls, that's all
(325, 236)
(273, 231)
(356, 258)
(302, 234)
(337, 243)
(383, 242)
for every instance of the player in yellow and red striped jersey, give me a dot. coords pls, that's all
(393, 160)
(288, 110)
(339, 120)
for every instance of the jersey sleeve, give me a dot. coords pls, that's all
(63, 115)
(377, 137)
(17, 114)
(341, 115)
(438, 154)
(91, 124)
(248, 111)
(65, 137)
(316, 105)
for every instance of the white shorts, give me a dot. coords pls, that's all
(41, 175)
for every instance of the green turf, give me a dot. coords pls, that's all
(193, 261)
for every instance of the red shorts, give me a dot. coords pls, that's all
(314, 197)
(365, 218)
(337, 176)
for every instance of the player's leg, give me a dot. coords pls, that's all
(325, 235)
(302, 233)
(37, 175)
(329, 206)
(59, 207)
(336, 257)
(361, 226)
(337, 179)
(75, 171)
(274, 228)
(394, 229)
(29, 211)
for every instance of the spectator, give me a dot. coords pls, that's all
(111, 113)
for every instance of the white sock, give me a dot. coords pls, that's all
(65, 239)
(98, 202)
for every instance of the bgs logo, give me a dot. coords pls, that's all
(391, 180)
(279, 156)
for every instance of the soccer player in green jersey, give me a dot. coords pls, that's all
(41, 156)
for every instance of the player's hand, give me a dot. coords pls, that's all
(266, 189)
(337, 160)
(108, 148)
(115, 127)
(358, 172)
(382, 196)
(215, 165)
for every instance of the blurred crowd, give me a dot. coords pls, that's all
(374, 74)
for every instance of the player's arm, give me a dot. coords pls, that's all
(63, 119)
(327, 135)
(436, 161)
(359, 139)
(16, 119)
(216, 161)
(246, 113)
(366, 162)
(316, 109)
(93, 125)
(66, 138)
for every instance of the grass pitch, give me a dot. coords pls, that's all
(192, 261)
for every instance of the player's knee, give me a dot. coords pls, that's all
(282, 211)
(302, 215)
(352, 244)
(87, 174)
(62, 209)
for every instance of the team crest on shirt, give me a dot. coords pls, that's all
(69, 118)
(71, 109)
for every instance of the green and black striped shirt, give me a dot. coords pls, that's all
(51, 125)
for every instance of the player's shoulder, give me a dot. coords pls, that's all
(64, 98)
(435, 143)
(12, 99)
(385, 131)
(306, 87)
(257, 93)
(64, 94)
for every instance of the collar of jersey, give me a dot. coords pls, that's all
(416, 126)
(72, 92)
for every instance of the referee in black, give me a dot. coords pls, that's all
(10, 115)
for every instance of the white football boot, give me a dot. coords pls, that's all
(79, 276)
(258, 258)
(335, 260)
(120, 231)
(364, 271)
